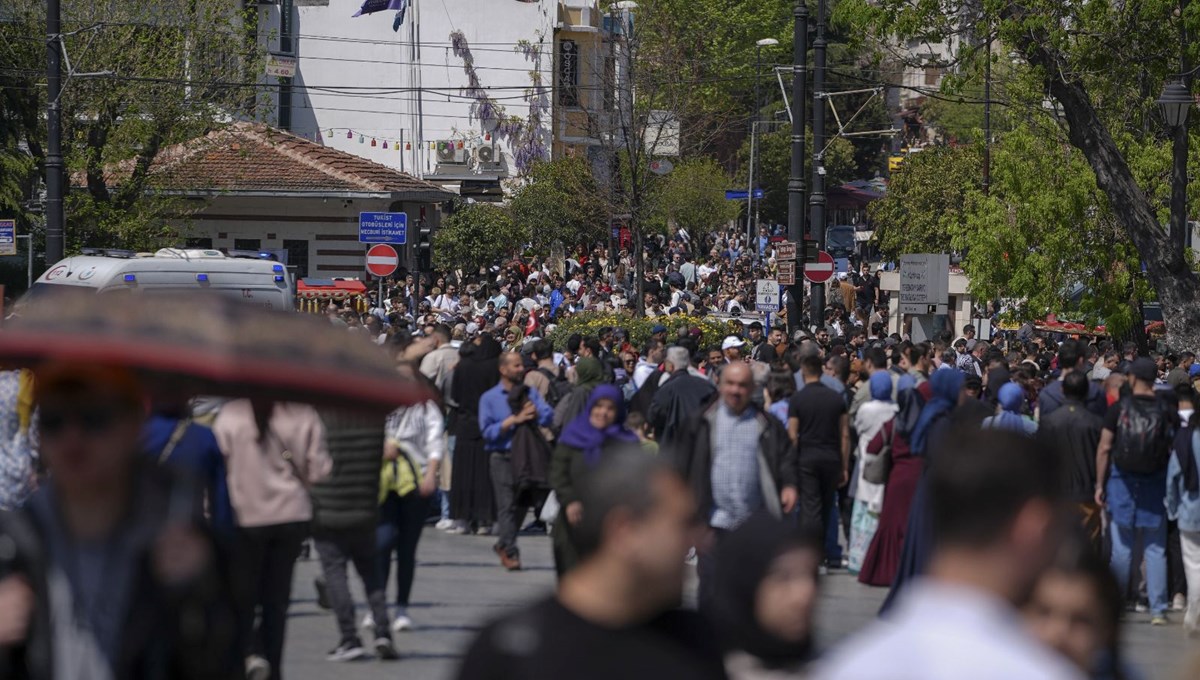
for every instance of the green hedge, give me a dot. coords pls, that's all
(712, 331)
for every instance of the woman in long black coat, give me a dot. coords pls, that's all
(472, 502)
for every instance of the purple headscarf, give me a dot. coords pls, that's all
(581, 434)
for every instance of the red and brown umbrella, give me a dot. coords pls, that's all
(208, 344)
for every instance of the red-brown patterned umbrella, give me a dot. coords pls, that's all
(208, 344)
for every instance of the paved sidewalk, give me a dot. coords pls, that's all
(460, 586)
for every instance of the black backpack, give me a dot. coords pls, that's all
(1142, 443)
(560, 387)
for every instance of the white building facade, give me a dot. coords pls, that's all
(404, 99)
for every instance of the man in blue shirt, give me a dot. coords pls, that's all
(1133, 488)
(498, 424)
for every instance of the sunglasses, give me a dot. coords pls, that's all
(95, 419)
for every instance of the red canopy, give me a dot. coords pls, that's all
(329, 289)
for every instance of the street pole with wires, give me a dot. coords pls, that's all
(796, 180)
(754, 121)
(816, 200)
(55, 219)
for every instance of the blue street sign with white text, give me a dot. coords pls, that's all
(8, 237)
(383, 227)
(742, 194)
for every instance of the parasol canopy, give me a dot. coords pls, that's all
(198, 343)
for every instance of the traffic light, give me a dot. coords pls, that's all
(424, 247)
(811, 251)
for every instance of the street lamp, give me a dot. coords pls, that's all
(1174, 102)
(765, 42)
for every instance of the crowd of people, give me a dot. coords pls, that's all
(976, 479)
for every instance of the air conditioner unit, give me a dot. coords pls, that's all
(450, 152)
(487, 155)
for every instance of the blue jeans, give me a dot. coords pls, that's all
(1128, 544)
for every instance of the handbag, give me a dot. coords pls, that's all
(550, 508)
(878, 469)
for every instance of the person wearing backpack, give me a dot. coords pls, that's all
(546, 377)
(1131, 482)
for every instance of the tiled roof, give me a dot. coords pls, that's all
(253, 157)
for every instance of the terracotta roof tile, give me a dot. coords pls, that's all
(253, 157)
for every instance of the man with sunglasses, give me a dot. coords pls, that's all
(106, 571)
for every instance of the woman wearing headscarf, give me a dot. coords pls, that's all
(478, 370)
(584, 441)
(869, 420)
(764, 598)
(883, 555)
(1012, 401)
(589, 373)
(947, 389)
(514, 337)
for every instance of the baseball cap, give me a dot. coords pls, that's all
(732, 341)
(1194, 371)
(842, 276)
(1144, 369)
(658, 328)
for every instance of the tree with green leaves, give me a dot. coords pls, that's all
(559, 201)
(692, 196)
(143, 76)
(475, 236)
(1092, 71)
(926, 201)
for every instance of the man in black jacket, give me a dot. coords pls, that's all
(347, 511)
(1073, 432)
(677, 399)
(738, 460)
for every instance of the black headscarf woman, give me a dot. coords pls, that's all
(757, 608)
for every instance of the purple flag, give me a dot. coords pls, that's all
(372, 6)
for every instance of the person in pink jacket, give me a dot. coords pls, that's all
(274, 452)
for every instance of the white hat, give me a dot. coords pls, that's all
(842, 276)
(732, 341)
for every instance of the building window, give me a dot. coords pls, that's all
(246, 244)
(202, 243)
(933, 75)
(568, 73)
(297, 256)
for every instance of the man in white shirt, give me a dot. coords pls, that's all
(991, 498)
(648, 363)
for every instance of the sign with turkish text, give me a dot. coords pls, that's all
(787, 274)
(767, 297)
(384, 227)
(8, 237)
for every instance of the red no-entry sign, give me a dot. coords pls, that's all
(821, 270)
(382, 260)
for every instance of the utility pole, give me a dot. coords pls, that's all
(816, 200)
(54, 159)
(796, 181)
(611, 73)
(1179, 150)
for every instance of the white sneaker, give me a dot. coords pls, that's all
(458, 529)
(257, 668)
(368, 621)
(401, 624)
(1180, 603)
(444, 524)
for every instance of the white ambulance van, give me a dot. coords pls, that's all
(249, 276)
